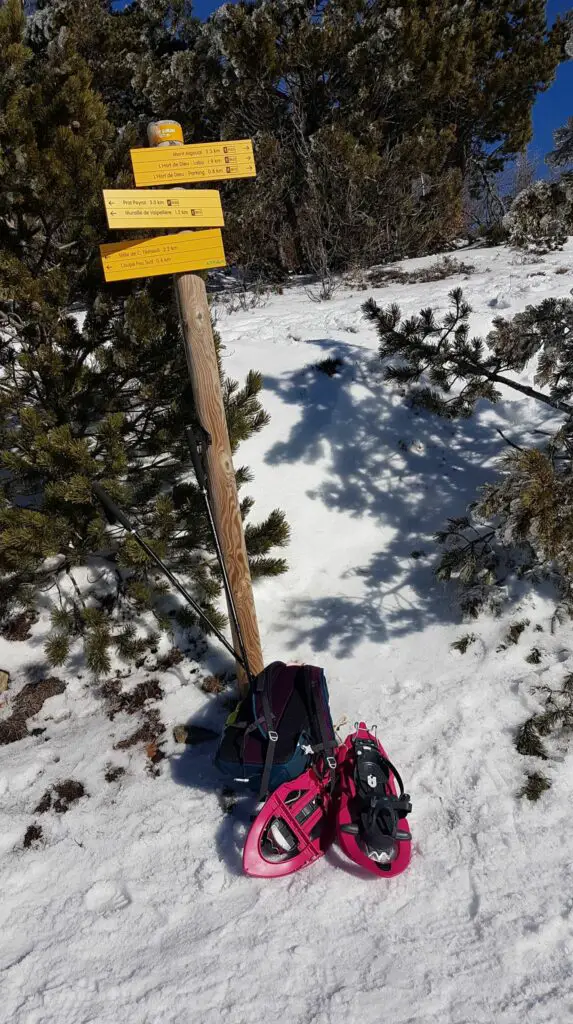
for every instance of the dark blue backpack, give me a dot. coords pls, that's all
(281, 726)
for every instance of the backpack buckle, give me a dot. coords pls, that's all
(331, 762)
(273, 736)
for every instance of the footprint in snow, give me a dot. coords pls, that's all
(106, 898)
(501, 301)
(210, 877)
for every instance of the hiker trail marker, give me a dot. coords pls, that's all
(169, 254)
(210, 161)
(169, 161)
(163, 208)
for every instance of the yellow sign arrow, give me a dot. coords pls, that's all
(210, 161)
(170, 254)
(163, 208)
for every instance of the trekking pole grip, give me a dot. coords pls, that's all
(110, 506)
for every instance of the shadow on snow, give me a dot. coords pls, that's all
(406, 469)
(194, 768)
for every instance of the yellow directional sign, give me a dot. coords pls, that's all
(170, 254)
(210, 161)
(163, 208)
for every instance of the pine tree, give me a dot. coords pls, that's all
(97, 396)
(381, 97)
(541, 216)
(557, 715)
(128, 51)
(562, 155)
(350, 104)
(522, 524)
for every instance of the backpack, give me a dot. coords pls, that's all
(281, 727)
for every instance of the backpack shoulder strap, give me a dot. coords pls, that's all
(312, 680)
(272, 735)
(324, 727)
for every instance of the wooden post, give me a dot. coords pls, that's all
(204, 373)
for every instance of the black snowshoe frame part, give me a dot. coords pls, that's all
(115, 514)
(277, 824)
(286, 834)
(378, 810)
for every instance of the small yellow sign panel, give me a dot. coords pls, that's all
(210, 161)
(163, 208)
(171, 254)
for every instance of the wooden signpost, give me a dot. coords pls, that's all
(163, 208)
(180, 254)
(169, 254)
(211, 161)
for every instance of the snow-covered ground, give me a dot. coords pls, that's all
(132, 908)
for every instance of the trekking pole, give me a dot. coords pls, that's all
(202, 485)
(115, 513)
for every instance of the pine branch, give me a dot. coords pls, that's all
(452, 358)
(524, 389)
(508, 440)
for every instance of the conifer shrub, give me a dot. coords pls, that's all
(93, 379)
(521, 525)
(541, 217)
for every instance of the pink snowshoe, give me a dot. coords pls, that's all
(371, 824)
(294, 828)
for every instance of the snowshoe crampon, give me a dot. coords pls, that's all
(371, 824)
(293, 828)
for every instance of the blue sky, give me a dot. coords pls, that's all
(551, 109)
(203, 8)
(554, 106)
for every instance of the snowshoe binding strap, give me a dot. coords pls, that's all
(381, 810)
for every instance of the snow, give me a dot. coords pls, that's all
(133, 908)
